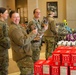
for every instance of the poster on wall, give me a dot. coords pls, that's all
(54, 5)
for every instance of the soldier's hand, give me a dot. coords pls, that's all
(45, 26)
(35, 31)
(37, 38)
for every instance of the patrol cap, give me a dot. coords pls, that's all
(51, 9)
(2, 10)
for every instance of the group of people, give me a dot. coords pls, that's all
(25, 46)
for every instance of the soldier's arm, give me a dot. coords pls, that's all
(43, 29)
(31, 26)
(5, 42)
(5, 30)
(53, 27)
(20, 39)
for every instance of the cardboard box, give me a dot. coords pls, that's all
(47, 67)
(50, 58)
(57, 57)
(38, 67)
(64, 48)
(55, 70)
(73, 70)
(66, 57)
(64, 70)
(73, 57)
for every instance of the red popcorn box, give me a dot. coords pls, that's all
(57, 57)
(64, 70)
(64, 48)
(60, 48)
(47, 67)
(74, 47)
(50, 58)
(55, 70)
(68, 48)
(73, 57)
(66, 57)
(73, 70)
(38, 67)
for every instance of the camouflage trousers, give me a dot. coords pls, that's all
(36, 48)
(4, 62)
(50, 46)
(61, 38)
(26, 66)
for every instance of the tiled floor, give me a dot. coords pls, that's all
(42, 56)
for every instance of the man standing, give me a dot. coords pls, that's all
(50, 34)
(36, 43)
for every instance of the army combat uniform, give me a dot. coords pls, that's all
(21, 48)
(4, 46)
(36, 43)
(50, 35)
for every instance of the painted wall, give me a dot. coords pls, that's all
(71, 13)
(21, 7)
(61, 9)
(11, 4)
(3, 3)
(32, 4)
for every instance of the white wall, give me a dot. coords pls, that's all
(61, 8)
(3, 3)
(71, 13)
(11, 4)
(32, 4)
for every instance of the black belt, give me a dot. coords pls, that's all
(35, 41)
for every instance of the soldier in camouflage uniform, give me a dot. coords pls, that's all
(50, 34)
(36, 43)
(4, 42)
(21, 44)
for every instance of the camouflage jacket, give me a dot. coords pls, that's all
(4, 39)
(20, 41)
(37, 24)
(51, 31)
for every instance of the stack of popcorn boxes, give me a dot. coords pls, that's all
(73, 62)
(62, 62)
(38, 67)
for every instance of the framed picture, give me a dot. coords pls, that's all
(54, 5)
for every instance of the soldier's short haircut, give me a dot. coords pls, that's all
(12, 12)
(34, 10)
